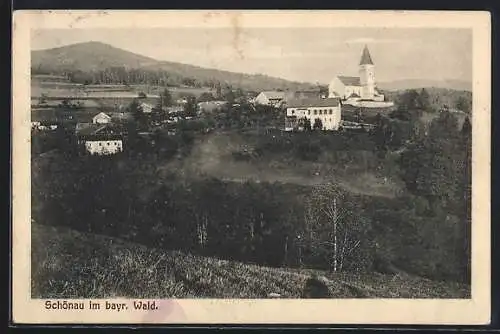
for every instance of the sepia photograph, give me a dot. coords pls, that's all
(251, 161)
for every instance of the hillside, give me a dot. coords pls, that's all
(97, 56)
(87, 57)
(70, 264)
(438, 97)
(421, 83)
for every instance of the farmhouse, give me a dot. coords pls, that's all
(270, 98)
(99, 139)
(360, 88)
(146, 107)
(327, 110)
(101, 118)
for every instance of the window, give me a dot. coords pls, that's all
(309, 112)
(293, 111)
(100, 144)
(331, 111)
(315, 112)
(321, 112)
(107, 143)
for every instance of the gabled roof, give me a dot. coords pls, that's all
(101, 114)
(349, 81)
(274, 95)
(92, 131)
(366, 59)
(89, 129)
(313, 102)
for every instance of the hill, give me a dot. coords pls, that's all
(97, 56)
(438, 97)
(87, 57)
(71, 264)
(422, 83)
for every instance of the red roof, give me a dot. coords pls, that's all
(366, 59)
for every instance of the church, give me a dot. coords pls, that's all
(357, 89)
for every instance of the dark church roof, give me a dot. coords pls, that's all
(349, 81)
(366, 59)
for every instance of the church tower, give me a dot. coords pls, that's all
(367, 75)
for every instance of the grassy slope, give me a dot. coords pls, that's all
(70, 264)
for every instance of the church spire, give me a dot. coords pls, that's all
(366, 59)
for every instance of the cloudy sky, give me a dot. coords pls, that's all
(306, 54)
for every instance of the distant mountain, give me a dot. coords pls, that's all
(422, 83)
(92, 56)
(87, 57)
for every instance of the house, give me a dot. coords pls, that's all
(210, 106)
(174, 109)
(271, 98)
(181, 101)
(99, 139)
(101, 118)
(359, 88)
(44, 119)
(146, 107)
(327, 110)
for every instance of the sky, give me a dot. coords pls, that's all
(305, 54)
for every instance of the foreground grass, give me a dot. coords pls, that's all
(70, 264)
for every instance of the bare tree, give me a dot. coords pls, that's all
(331, 228)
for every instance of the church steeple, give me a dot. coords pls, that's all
(366, 59)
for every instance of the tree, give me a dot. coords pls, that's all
(229, 95)
(331, 230)
(43, 99)
(445, 126)
(205, 97)
(463, 104)
(382, 133)
(166, 98)
(307, 124)
(466, 128)
(432, 166)
(407, 106)
(142, 95)
(318, 124)
(422, 100)
(218, 91)
(190, 106)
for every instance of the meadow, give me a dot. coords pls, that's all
(111, 267)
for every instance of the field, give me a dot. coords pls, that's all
(55, 88)
(212, 156)
(71, 264)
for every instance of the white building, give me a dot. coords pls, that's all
(327, 110)
(146, 107)
(360, 88)
(101, 118)
(103, 147)
(270, 98)
(99, 139)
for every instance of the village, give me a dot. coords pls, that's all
(349, 103)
